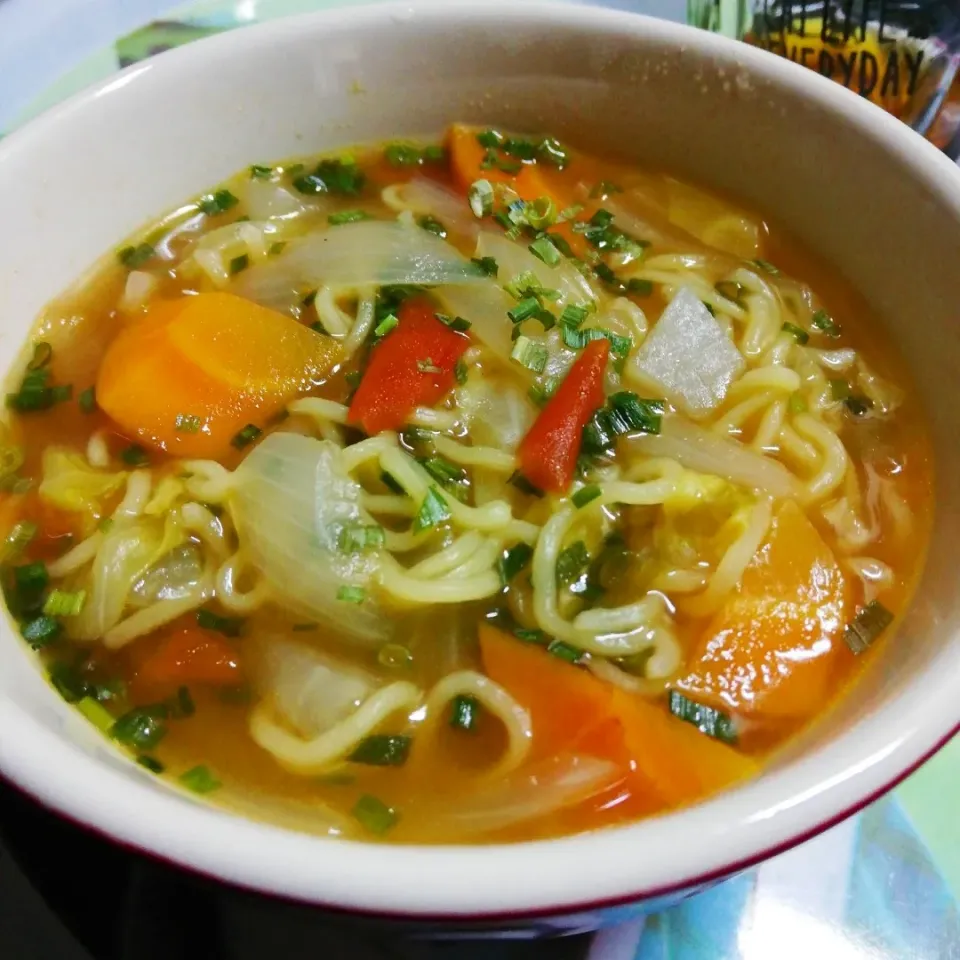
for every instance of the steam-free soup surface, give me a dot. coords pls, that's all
(474, 491)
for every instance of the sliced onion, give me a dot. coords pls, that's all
(267, 200)
(699, 449)
(427, 197)
(173, 577)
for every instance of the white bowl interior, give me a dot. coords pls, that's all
(864, 192)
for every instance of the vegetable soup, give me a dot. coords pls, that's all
(460, 492)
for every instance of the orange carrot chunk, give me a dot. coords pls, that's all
(548, 453)
(195, 371)
(771, 651)
(413, 366)
(191, 655)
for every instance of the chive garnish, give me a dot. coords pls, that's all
(454, 323)
(361, 537)
(96, 713)
(187, 423)
(150, 763)
(714, 723)
(525, 309)
(239, 264)
(464, 712)
(200, 780)
(349, 594)
(825, 323)
(41, 631)
(181, 705)
(639, 287)
(564, 651)
(432, 225)
(513, 561)
(36, 393)
(871, 620)
(67, 681)
(767, 266)
(228, 626)
(62, 603)
(544, 250)
(134, 456)
(460, 371)
(374, 815)
(571, 562)
(142, 727)
(246, 436)
(385, 325)
(518, 480)
(213, 204)
(134, 257)
(382, 750)
(487, 265)
(576, 338)
(573, 315)
(347, 216)
(530, 354)
(87, 400)
(585, 495)
(259, 172)
(798, 333)
(433, 511)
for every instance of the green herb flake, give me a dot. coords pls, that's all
(457, 324)
(571, 562)
(134, 456)
(141, 728)
(187, 423)
(798, 333)
(766, 266)
(460, 371)
(246, 436)
(134, 257)
(277, 247)
(181, 705)
(825, 323)
(714, 723)
(41, 631)
(259, 172)
(228, 626)
(432, 225)
(464, 712)
(387, 324)
(200, 780)
(96, 713)
(871, 620)
(374, 815)
(361, 538)
(150, 763)
(530, 354)
(514, 561)
(213, 204)
(586, 495)
(239, 264)
(348, 216)
(524, 310)
(518, 480)
(63, 603)
(433, 511)
(486, 265)
(349, 594)
(382, 750)
(87, 400)
(564, 651)
(544, 250)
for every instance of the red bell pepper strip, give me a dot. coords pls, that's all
(413, 366)
(548, 453)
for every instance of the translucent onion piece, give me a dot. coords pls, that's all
(291, 500)
(174, 577)
(451, 209)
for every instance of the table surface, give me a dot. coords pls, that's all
(883, 884)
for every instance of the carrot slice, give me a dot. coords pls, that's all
(548, 453)
(771, 651)
(414, 365)
(196, 370)
(665, 761)
(191, 655)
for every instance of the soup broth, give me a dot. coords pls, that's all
(460, 492)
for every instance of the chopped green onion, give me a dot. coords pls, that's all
(839, 389)
(332, 176)
(142, 727)
(385, 325)
(18, 538)
(135, 257)
(460, 371)
(42, 355)
(714, 723)
(577, 338)
(858, 405)
(767, 266)
(480, 197)
(433, 511)
(31, 578)
(96, 713)
(464, 712)
(394, 656)
(629, 413)
(87, 400)
(451, 476)
(487, 265)
(349, 594)
(454, 323)
(432, 225)
(639, 287)
(187, 423)
(347, 216)
(41, 631)
(531, 636)
(798, 333)
(60, 603)
(200, 780)
(491, 139)
(181, 705)
(524, 485)
(574, 315)
(544, 250)
(259, 172)
(150, 763)
(382, 750)
(246, 436)
(585, 495)
(513, 561)
(571, 562)
(542, 213)
(360, 537)
(428, 366)
(825, 323)
(277, 247)
(239, 264)
(871, 620)
(36, 393)
(565, 651)
(228, 626)
(730, 290)
(541, 392)
(552, 151)
(525, 309)
(402, 155)
(530, 354)
(796, 404)
(134, 456)
(216, 203)
(374, 815)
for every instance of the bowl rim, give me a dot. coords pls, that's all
(734, 830)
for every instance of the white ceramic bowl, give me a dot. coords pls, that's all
(850, 181)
